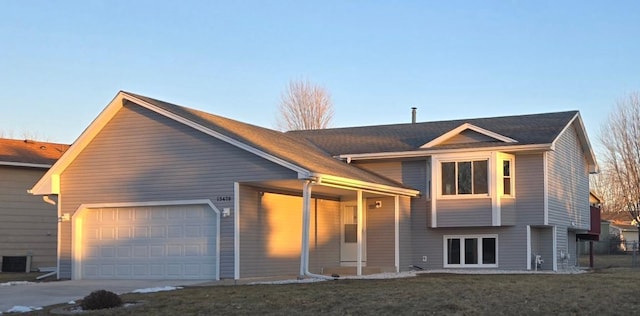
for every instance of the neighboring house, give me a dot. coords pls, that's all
(619, 224)
(156, 190)
(28, 226)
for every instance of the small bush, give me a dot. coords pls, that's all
(100, 300)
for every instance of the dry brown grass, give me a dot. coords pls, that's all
(604, 292)
(18, 276)
(610, 261)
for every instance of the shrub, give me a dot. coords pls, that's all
(101, 299)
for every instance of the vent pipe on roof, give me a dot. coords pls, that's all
(413, 115)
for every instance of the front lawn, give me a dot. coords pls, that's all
(604, 292)
(19, 276)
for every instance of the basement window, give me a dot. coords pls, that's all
(471, 251)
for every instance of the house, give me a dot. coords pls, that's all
(28, 226)
(156, 190)
(620, 224)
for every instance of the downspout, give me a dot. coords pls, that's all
(306, 223)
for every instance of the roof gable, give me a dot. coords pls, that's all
(466, 134)
(29, 153)
(289, 152)
(528, 130)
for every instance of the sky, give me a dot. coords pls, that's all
(62, 62)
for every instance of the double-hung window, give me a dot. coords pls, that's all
(471, 251)
(465, 177)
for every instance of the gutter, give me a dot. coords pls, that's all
(423, 153)
(306, 219)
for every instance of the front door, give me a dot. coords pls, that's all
(349, 237)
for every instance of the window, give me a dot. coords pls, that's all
(471, 251)
(465, 177)
(506, 177)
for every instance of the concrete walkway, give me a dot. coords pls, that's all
(56, 292)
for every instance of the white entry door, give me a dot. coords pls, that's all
(349, 237)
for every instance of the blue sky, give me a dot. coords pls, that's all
(61, 62)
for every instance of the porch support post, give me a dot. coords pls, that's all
(397, 232)
(360, 224)
(306, 214)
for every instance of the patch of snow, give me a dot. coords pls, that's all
(157, 289)
(71, 302)
(385, 275)
(23, 309)
(291, 281)
(12, 283)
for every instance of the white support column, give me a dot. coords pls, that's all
(304, 247)
(397, 232)
(360, 226)
(555, 248)
(236, 230)
(529, 258)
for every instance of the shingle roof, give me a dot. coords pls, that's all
(30, 152)
(525, 129)
(294, 150)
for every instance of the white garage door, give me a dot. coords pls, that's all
(158, 242)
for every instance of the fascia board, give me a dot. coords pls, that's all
(442, 138)
(584, 139)
(426, 153)
(24, 164)
(357, 184)
(43, 186)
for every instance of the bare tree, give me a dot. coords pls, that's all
(620, 137)
(303, 106)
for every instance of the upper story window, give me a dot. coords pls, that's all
(506, 177)
(465, 177)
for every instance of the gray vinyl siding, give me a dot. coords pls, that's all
(389, 169)
(568, 183)
(405, 232)
(381, 232)
(464, 212)
(542, 244)
(142, 156)
(512, 245)
(415, 174)
(572, 249)
(28, 225)
(529, 185)
(324, 250)
(507, 211)
(271, 234)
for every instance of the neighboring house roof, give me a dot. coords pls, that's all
(622, 218)
(624, 227)
(296, 154)
(594, 198)
(510, 132)
(30, 153)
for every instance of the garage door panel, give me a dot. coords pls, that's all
(154, 243)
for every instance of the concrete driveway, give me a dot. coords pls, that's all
(56, 292)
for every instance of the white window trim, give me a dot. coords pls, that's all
(437, 170)
(462, 265)
(512, 166)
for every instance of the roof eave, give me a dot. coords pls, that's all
(363, 185)
(584, 140)
(46, 186)
(429, 152)
(24, 164)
